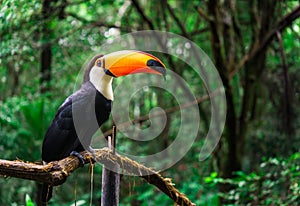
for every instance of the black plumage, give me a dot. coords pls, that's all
(62, 136)
(74, 124)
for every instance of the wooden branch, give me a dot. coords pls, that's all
(200, 31)
(202, 13)
(165, 111)
(138, 7)
(280, 26)
(179, 24)
(56, 172)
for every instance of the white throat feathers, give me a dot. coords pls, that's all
(102, 82)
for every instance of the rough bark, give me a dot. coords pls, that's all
(56, 172)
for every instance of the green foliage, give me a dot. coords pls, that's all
(28, 201)
(275, 183)
(75, 36)
(24, 123)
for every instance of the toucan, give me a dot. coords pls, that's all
(83, 112)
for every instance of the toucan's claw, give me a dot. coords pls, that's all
(79, 156)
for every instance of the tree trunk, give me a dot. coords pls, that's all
(225, 38)
(46, 48)
(50, 9)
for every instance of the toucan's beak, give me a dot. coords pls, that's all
(126, 62)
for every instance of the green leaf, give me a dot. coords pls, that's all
(28, 201)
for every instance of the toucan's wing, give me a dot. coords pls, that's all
(62, 136)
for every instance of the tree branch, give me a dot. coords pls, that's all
(56, 172)
(203, 14)
(140, 10)
(280, 26)
(166, 111)
(179, 24)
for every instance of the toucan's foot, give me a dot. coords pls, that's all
(79, 156)
(92, 151)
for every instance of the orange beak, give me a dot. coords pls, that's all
(127, 62)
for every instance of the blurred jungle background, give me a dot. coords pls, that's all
(255, 46)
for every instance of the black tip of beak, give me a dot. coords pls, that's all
(157, 66)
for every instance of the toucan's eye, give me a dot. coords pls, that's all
(99, 63)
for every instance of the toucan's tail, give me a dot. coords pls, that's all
(46, 193)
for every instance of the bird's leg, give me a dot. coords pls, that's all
(79, 156)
